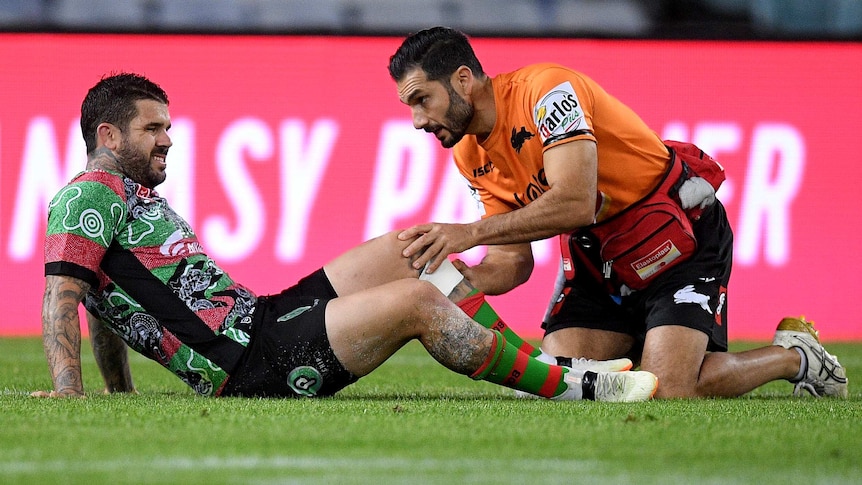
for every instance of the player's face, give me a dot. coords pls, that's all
(458, 118)
(436, 107)
(144, 147)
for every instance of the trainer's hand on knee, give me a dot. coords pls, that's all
(433, 243)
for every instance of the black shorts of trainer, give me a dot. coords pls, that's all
(692, 294)
(289, 353)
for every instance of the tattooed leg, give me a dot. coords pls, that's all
(364, 335)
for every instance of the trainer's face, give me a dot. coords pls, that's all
(436, 107)
(144, 147)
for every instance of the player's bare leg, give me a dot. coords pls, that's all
(365, 328)
(372, 263)
(379, 261)
(677, 355)
(588, 343)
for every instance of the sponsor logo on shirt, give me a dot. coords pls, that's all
(533, 190)
(559, 112)
(484, 169)
(175, 245)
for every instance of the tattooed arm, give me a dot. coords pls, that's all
(111, 355)
(61, 334)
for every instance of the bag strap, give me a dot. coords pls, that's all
(571, 251)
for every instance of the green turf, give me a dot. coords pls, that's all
(414, 422)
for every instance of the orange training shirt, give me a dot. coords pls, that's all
(541, 106)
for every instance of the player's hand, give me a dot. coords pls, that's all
(465, 270)
(434, 242)
(56, 394)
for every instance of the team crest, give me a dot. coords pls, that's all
(305, 381)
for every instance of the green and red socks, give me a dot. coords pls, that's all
(477, 308)
(507, 366)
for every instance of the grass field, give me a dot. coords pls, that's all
(412, 421)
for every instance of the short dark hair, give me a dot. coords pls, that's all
(112, 100)
(439, 51)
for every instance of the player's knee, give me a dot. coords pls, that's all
(675, 391)
(421, 298)
(685, 386)
(391, 240)
(428, 293)
(673, 384)
(388, 244)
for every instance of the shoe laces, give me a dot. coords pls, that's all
(581, 360)
(805, 385)
(613, 384)
(828, 362)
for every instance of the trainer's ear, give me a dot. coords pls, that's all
(108, 135)
(463, 78)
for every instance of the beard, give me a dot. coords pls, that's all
(458, 118)
(138, 165)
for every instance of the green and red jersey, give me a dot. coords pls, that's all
(151, 282)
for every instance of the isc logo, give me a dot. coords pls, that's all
(484, 169)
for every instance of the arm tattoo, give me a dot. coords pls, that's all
(61, 332)
(111, 356)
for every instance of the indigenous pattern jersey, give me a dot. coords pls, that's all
(151, 282)
(542, 106)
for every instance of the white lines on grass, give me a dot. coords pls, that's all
(276, 463)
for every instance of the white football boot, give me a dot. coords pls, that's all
(824, 376)
(626, 386)
(582, 365)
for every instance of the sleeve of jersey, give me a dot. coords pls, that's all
(564, 106)
(83, 219)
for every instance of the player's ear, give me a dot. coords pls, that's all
(463, 77)
(108, 135)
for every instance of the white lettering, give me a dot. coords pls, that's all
(402, 179)
(545, 250)
(717, 139)
(245, 136)
(676, 130)
(775, 170)
(454, 202)
(43, 173)
(302, 168)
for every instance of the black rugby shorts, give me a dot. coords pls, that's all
(289, 353)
